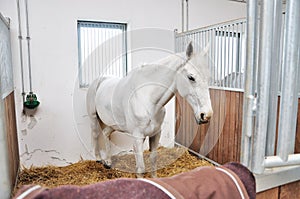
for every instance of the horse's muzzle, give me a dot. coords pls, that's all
(203, 119)
(200, 121)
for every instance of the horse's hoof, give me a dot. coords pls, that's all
(140, 175)
(107, 166)
(153, 175)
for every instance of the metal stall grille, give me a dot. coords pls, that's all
(269, 144)
(265, 65)
(226, 51)
(102, 50)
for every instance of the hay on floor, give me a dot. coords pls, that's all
(171, 161)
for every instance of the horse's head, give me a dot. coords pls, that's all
(192, 84)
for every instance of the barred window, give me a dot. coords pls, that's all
(102, 48)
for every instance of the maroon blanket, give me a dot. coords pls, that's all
(229, 181)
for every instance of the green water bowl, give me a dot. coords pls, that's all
(31, 104)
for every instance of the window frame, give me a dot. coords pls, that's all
(103, 25)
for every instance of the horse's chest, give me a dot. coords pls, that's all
(154, 124)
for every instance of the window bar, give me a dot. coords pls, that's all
(85, 61)
(94, 75)
(89, 57)
(79, 55)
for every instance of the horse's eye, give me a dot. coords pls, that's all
(191, 78)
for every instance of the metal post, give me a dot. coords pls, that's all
(263, 88)
(187, 15)
(182, 15)
(274, 85)
(251, 58)
(21, 51)
(289, 94)
(28, 46)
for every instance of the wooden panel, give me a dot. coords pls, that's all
(297, 144)
(220, 138)
(226, 126)
(290, 191)
(269, 194)
(12, 139)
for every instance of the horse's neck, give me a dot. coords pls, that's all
(163, 75)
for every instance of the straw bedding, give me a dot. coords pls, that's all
(170, 161)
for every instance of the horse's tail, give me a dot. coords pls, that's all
(92, 112)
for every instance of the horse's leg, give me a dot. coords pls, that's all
(96, 130)
(107, 155)
(139, 159)
(153, 144)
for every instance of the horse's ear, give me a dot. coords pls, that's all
(189, 50)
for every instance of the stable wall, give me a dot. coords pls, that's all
(59, 132)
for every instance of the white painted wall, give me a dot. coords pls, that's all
(59, 133)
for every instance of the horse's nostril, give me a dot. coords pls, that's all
(202, 116)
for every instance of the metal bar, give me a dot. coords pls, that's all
(243, 20)
(238, 50)
(289, 95)
(273, 102)
(187, 15)
(275, 161)
(226, 74)
(28, 46)
(21, 51)
(251, 60)
(241, 55)
(222, 56)
(265, 61)
(217, 50)
(210, 57)
(79, 55)
(182, 15)
(229, 53)
(277, 176)
(125, 50)
(5, 20)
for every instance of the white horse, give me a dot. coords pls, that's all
(135, 104)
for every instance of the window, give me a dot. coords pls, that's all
(102, 48)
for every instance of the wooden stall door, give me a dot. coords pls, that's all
(12, 138)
